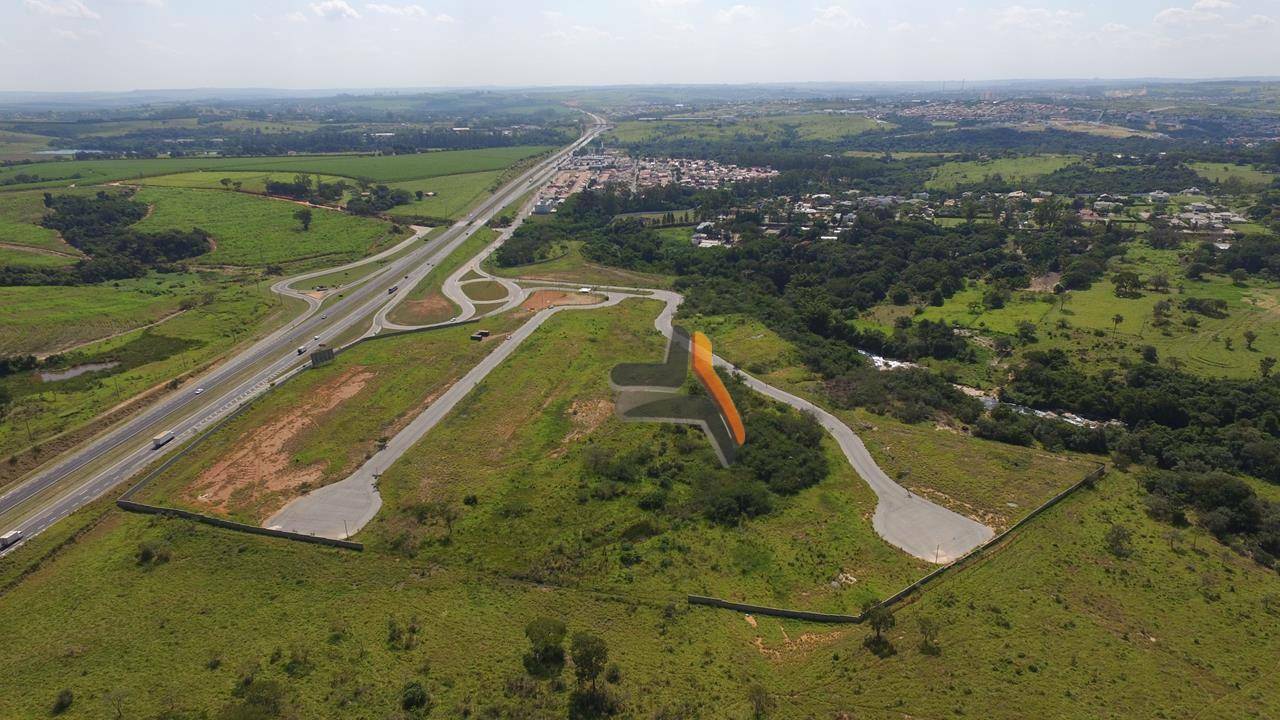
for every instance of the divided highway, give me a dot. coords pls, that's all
(86, 473)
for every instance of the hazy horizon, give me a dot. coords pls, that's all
(305, 45)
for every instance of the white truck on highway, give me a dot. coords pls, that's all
(161, 439)
(10, 538)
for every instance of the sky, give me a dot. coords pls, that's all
(114, 45)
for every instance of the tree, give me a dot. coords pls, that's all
(226, 182)
(1127, 283)
(1239, 276)
(546, 646)
(1026, 331)
(881, 619)
(1266, 365)
(1115, 322)
(1249, 337)
(303, 216)
(62, 703)
(414, 698)
(929, 627)
(761, 702)
(589, 657)
(1119, 541)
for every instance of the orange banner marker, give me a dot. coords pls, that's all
(705, 371)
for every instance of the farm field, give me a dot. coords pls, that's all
(20, 215)
(32, 258)
(816, 127)
(1093, 335)
(221, 313)
(1248, 176)
(251, 181)
(454, 194)
(386, 169)
(317, 428)
(951, 175)
(254, 231)
(21, 145)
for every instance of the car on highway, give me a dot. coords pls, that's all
(199, 391)
(324, 317)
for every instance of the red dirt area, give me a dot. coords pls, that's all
(431, 309)
(258, 466)
(543, 299)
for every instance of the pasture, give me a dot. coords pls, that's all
(454, 194)
(20, 215)
(1249, 177)
(818, 127)
(255, 231)
(376, 168)
(952, 175)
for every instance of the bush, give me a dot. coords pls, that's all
(62, 703)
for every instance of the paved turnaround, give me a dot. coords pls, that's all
(82, 475)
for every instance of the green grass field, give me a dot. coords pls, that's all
(30, 258)
(251, 181)
(20, 215)
(571, 266)
(951, 175)
(254, 231)
(488, 291)
(1250, 177)
(390, 168)
(21, 145)
(1092, 336)
(223, 312)
(815, 127)
(454, 194)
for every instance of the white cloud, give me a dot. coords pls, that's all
(400, 10)
(583, 33)
(736, 13)
(836, 17)
(446, 18)
(66, 34)
(295, 17)
(1212, 5)
(157, 4)
(335, 10)
(1183, 16)
(63, 8)
(1113, 27)
(1032, 18)
(671, 3)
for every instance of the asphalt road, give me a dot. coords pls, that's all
(86, 473)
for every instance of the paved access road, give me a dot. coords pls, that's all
(84, 474)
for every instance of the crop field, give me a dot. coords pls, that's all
(1092, 335)
(251, 181)
(318, 428)
(20, 215)
(254, 231)
(816, 127)
(454, 194)
(1249, 177)
(222, 312)
(951, 175)
(386, 169)
(31, 258)
(21, 145)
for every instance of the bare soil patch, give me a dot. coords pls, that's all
(543, 299)
(431, 309)
(1046, 282)
(258, 471)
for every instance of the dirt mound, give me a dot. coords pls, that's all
(543, 299)
(259, 465)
